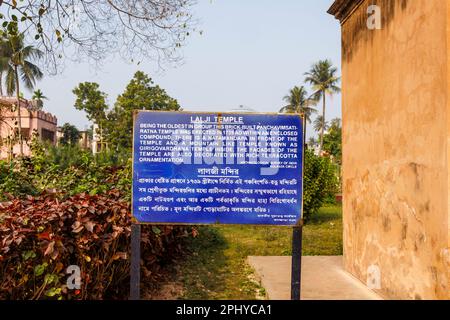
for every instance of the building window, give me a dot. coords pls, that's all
(48, 135)
(25, 133)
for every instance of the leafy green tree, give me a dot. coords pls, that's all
(71, 135)
(91, 100)
(298, 102)
(15, 62)
(332, 141)
(324, 81)
(320, 182)
(140, 94)
(90, 132)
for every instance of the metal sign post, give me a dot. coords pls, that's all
(297, 235)
(296, 272)
(135, 261)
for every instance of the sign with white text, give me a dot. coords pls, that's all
(208, 168)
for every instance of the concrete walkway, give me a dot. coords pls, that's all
(323, 278)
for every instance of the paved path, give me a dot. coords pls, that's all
(323, 278)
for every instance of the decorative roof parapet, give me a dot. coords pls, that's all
(40, 114)
(341, 9)
(46, 116)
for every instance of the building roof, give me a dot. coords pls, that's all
(341, 9)
(7, 101)
(242, 108)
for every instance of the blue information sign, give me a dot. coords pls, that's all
(227, 168)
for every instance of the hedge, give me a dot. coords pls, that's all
(41, 236)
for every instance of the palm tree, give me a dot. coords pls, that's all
(1, 80)
(298, 102)
(320, 125)
(3, 65)
(312, 142)
(324, 80)
(14, 54)
(39, 97)
(336, 123)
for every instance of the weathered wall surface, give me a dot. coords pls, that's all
(396, 130)
(34, 121)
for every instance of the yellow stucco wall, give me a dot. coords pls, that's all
(396, 147)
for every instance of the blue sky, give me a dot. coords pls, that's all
(251, 53)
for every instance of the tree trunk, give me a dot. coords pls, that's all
(304, 131)
(101, 138)
(19, 122)
(1, 83)
(323, 123)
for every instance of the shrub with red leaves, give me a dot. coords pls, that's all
(41, 236)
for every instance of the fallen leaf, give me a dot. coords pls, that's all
(120, 255)
(50, 248)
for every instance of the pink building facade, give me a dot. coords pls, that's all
(33, 121)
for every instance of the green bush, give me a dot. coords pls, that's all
(65, 156)
(15, 181)
(320, 182)
(64, 206)
(67, 169)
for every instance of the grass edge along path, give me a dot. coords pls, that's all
(216, 267)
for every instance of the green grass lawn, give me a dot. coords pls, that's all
(217, 268)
